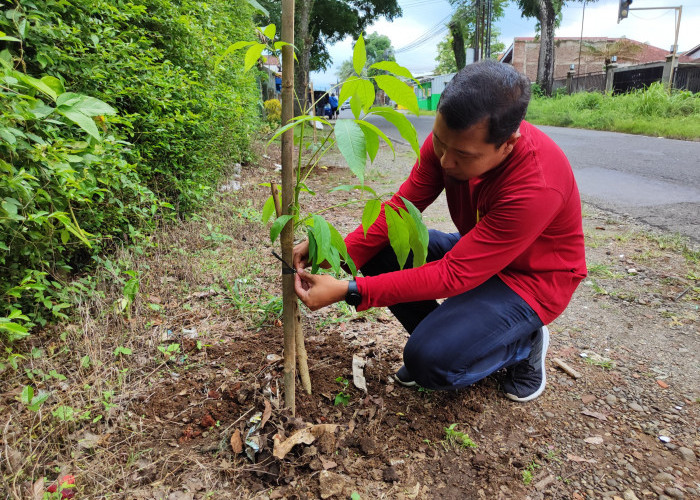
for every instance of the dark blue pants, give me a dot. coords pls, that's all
(468, 336)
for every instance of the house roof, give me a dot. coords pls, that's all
(693, 53)
(649, 53)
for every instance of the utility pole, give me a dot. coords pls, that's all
(624, 10)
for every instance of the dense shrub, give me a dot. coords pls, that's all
(273, 109)
(79, 174)
(652, 111)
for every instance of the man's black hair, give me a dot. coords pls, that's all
(486, 90)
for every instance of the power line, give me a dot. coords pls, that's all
(432, 32)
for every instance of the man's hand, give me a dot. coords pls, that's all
(300, 256)
(318, 290)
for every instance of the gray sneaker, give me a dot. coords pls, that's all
(526, 380)
(403, 378)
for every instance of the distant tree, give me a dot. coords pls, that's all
(446, 60)
(470, 27)
(625, 50)
(546, 12)
(548, 15)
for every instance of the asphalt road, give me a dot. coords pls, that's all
(652, 180)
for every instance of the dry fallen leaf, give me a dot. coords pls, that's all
(306, 436)
(236, 442)
(266, 414)
(594, 440)
(576, 458)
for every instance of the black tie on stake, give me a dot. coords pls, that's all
(286, 268)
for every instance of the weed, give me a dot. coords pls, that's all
(122, 351)
(170, 350)
(215, 236)
(256, 305)
(602, 362)
(454, 437)
(342, 397)
(597, 289)
(30, 400)
(529, 472)
(603, 271)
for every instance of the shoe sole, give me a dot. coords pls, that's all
(540, 390)
(410, 383)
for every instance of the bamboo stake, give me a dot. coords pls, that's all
(287, 237)
(302, 359)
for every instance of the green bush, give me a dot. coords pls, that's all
(153, 60)
(82, 174)
(652, 111)
(273, 109)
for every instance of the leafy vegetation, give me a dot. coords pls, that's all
(652, 111)
(357, 140)
(110, 118)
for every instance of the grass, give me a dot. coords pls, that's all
(652, 111)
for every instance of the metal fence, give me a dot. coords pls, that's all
(687, 77)
(637, 77)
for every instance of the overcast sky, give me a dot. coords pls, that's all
(656, 27)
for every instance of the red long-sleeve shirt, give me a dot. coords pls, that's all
(520, 220)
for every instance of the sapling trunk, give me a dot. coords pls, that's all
(302, 360)
(289, 300)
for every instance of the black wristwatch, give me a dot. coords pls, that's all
(353, 297)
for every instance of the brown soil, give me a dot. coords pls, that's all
(175, 430)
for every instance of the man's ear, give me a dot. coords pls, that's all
(511, 142)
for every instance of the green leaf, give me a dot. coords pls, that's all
(312, 250)
(393, 67)
(370, 213)
(36, 84)
(9, 39)
(278, 225)
(296, 121)
(54, 84)
(322, 235)
(84, 122)
(259, 7)
(27, 395)
(268, 210)
(418, 218)
(338, 243)
(398, 91)
(14, 331)
(270, 31)
(131, 288)
(64, 413)
(231, 48)
(360, 89)
(38, 400)
(359, 56)
(372, 128)
(372, 143)
(351, 143)
(252, 56)
(420, 252)
(403, 124)
(85, 361)
(121, 350)
(89, 106)
(398, 235)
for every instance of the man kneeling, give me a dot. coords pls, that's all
(512, 267)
